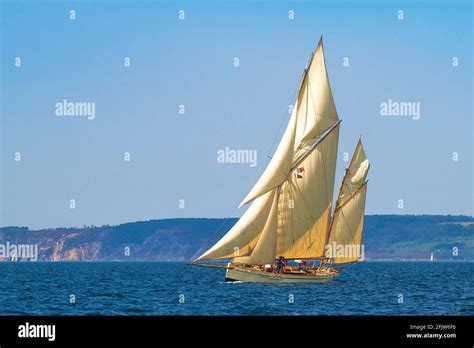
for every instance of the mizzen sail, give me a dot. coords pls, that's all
(355, 174)
(345, 237)
(348, 219)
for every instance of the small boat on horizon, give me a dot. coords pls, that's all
(14, 257)
(291, 233)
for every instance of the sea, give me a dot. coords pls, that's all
(174, 288)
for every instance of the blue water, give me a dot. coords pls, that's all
(154, 288)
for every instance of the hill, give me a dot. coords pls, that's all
(385, 237)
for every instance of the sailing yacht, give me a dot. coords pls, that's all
(291, 216)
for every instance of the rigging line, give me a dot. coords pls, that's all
(295, 98)
(285, 116)
(206, 242)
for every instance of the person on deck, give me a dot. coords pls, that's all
(280, 264)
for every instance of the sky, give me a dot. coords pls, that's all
(173, 169)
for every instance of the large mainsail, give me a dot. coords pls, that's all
(348, 219)
(292, 205)
(306, 201)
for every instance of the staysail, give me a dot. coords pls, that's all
(264, 251)
(345, 235)
(279, 166)
(243, 236)
(292, 200)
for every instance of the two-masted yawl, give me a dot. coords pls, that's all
(291, 216)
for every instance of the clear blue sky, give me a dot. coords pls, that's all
(190, 62)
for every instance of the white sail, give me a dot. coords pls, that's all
(346, 228)
(279, 166)
(306, 200)
(264, 251)
(355, 175)
(348, 218)
(243, 236)
(316, 109)
(313, 114)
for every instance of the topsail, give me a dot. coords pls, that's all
(313, 114)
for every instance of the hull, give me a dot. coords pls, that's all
(256, 276)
